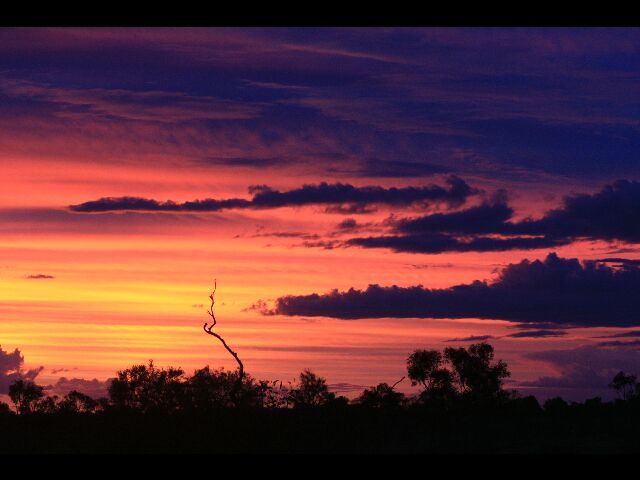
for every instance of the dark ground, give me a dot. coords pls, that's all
(347, 430)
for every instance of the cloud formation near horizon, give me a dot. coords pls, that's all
(584, 371)
(557, 291)
(94, 388)
(348, 198)
(11, 369)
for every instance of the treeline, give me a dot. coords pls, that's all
(451, 380)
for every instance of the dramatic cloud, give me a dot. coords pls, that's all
(339, 195)
(483, 219)
(110, 204)
(557, 290)
(11, 369)
(611, 214)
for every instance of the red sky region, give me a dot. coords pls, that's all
(187, 114)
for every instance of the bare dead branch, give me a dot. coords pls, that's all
(209, 330)
(395, 384)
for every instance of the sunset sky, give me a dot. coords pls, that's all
(137, 165)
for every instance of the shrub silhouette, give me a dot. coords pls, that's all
(146, 388)
(382, 396)
(209, 389)
(462, 406)
(77, 402)
(312, 391)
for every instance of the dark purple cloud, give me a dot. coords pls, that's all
(483, 219)
(439, 243)
(111, 204)
(40, 276)
(633, 333)
(348, 224)
(584, 371)
(471, 338)
(341, 195)
(537, 334)
(620, 262)
(415, 100)
(306, 236)
(94, 388)
(618, 343)
(11, 369)
(557, 290)
(610, 214)
(456, 194)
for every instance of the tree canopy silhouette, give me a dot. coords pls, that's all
(312, 391)
(382, 396)
(458, 373)
(462, 406)
(626, 385)
(25, 394)
(147, 388)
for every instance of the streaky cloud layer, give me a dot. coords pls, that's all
(323, 193)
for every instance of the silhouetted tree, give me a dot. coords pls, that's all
(476, 376)
(624, 385)
(25, 395)
(311, 391)
(426, 367)
(77, 402)
(276, 394)
(209, 330)
(46, 405)
(148, 389)
(381, 396)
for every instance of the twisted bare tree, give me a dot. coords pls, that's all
(208, 328)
